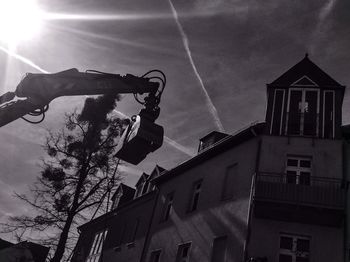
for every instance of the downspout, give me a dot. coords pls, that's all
(345, 179)
(252, 188)
(148, 233)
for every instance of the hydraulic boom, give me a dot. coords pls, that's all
(35, 92)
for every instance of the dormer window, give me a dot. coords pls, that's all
(142, 185)
(117, 199)
(303, 112)
(305, 101)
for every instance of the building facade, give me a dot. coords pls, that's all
(275, 191)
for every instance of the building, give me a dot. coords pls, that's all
(25, 251)
(274, 191)
(124, 229)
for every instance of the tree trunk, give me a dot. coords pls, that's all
(61, 246)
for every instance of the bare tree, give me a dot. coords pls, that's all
(78, 172)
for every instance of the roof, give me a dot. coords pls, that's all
(309, 69)
(105, 218)
(5, 244)
(218, 148)
(346, 131)
(157, 171)
(38, 252)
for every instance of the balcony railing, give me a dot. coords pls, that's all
(319, 192)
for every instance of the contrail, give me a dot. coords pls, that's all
(210, 104)
(179, 147)
(23, 59)
(326, 9)
(322, 16)
(168, 140)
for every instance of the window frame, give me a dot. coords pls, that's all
(169, 200)
(293, 252)
(153, 252)
(298, 169)
(144, 189)
(224, 237)
(135, 228)
(180, 248)
(117, 199)
(303, 90)
(324, 111)
(122, 235)
(96, 248)
(226, 194)
(273, 109)
(195, 192)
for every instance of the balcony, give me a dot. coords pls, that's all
(319, 201)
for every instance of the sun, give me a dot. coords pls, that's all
(19, 20)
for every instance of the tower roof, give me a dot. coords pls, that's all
(306, 68)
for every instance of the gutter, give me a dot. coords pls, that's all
(251, 199)
(345, 159)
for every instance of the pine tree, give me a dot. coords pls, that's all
(77, 173)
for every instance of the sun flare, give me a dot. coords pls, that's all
(19, 20)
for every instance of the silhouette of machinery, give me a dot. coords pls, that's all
(34, 93)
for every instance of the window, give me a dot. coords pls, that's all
(219, 249)
(141, 186)
(328, 114)
(96, 248)
(277, 112)
(294, 248)
(122, 234)
(134, 230)
(144, 188)
(168, 206)
(302, 112)
(117, 199)
(298, 170)
(155, 256)
(196, 190)
(183, 253)
(138, 190)
(229, 182)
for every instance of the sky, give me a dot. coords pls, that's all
(218, 56)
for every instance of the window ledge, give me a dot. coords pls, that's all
(117, 249)
(130, 245)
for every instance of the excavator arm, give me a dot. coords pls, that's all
(34, 93)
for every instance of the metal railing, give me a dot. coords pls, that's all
(318, 191)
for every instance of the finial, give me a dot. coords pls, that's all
(306, 55)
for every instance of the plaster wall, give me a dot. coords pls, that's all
(214, 217)
(326, 154)
(326, 243)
